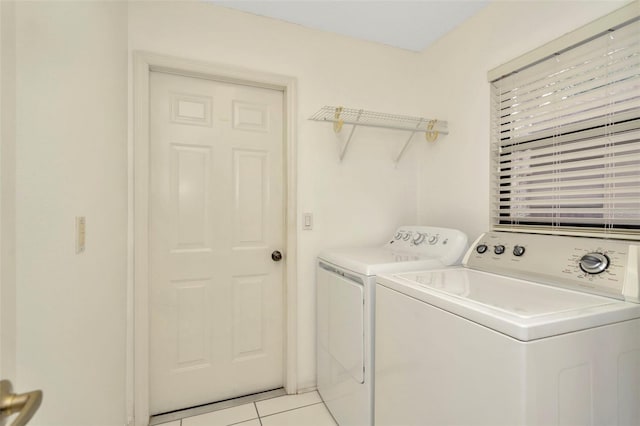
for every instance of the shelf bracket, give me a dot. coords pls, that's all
(431, 135)
(343, 151)
(337, 125)
(406, 144)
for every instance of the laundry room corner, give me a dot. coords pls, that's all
(454, 174)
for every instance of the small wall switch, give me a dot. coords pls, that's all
(80, 234)
(307, 221)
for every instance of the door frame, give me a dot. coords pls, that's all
(138, 312)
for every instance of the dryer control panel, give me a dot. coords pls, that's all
(605, 267)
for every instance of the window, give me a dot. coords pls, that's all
(566, 136)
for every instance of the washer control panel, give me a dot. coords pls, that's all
(605, 267)
(430, 241)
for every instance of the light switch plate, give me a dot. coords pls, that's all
(81, 229)
(307, 221)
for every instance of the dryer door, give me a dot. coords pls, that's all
(343, 328)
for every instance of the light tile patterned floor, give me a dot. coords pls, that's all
(305, 409)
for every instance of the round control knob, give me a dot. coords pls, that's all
(499, 249)
(594, 263)
(481, 248)
(407, 236)
(418, 238)
(433, 239)
(398, 236)
(518, 250)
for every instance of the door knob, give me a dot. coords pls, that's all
(276, 256)
(10, 403)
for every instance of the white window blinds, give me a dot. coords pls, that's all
(566, 140)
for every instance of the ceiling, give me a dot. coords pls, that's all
(411, 25)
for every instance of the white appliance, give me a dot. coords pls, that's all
(532, 330)
(346, 298)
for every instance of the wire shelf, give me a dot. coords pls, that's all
(379, 119)
(339, 116)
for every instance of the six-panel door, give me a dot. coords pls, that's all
(216, 215)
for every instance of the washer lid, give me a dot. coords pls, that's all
(521, 309)
(376, 260)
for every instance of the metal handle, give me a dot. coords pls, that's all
(25, 404)
(276, 256)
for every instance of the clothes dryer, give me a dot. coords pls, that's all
(531, 330)
(345, 311)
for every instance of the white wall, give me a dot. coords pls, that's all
(357, 202)
(454, 178)
(72, 160)
(7, 192)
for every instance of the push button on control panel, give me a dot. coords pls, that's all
(500, 249)
(481, 248)
(518, 251)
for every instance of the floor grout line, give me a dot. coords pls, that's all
(258, 413)
(292, 409)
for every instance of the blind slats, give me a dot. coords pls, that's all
(548, 147)
(576, 80)
(582, 107)
(598, 130)
(571, 158)
(591, 88)
(557, 169)
(566, 140)
(624, 36)
(600, 125)
(567, 185)
(568, 195)
(626, 226)
(622, 198)
(576, 176)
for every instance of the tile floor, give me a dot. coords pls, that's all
(306, 409)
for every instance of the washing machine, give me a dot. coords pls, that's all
(345, 314)
(530, 330)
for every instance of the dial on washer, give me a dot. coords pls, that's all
(594, 263)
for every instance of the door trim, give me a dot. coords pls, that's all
(138, 283)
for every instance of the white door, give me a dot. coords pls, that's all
(216, 217)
